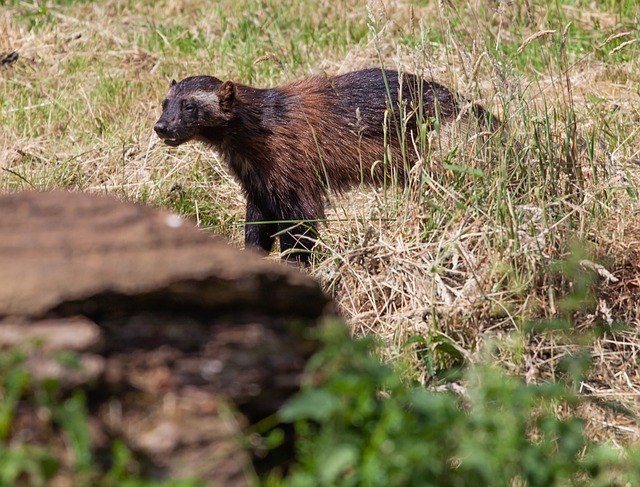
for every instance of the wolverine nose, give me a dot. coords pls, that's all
(160, 128)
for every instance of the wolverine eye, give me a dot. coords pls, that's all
(190, 108)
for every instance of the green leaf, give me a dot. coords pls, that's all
(464, 170)
(339, 460)
(16, 381)
(317, 405)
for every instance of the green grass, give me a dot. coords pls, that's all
(496, 431)
(62, 449)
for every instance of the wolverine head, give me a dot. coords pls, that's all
(198, 107)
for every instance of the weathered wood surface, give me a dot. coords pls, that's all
(172, 326)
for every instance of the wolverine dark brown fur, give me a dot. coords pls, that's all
(288, 146)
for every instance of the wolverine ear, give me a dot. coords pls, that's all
(227, 96)
(172, 83)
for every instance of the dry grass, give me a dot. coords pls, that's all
(461, 259)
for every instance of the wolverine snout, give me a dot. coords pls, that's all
(169, 135)
(161, 129)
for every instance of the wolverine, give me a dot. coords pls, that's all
(288, 146)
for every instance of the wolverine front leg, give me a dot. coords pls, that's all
(298, 227)
(257, 234)
(297, 240)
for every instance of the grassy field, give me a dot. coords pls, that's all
(536, 224)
